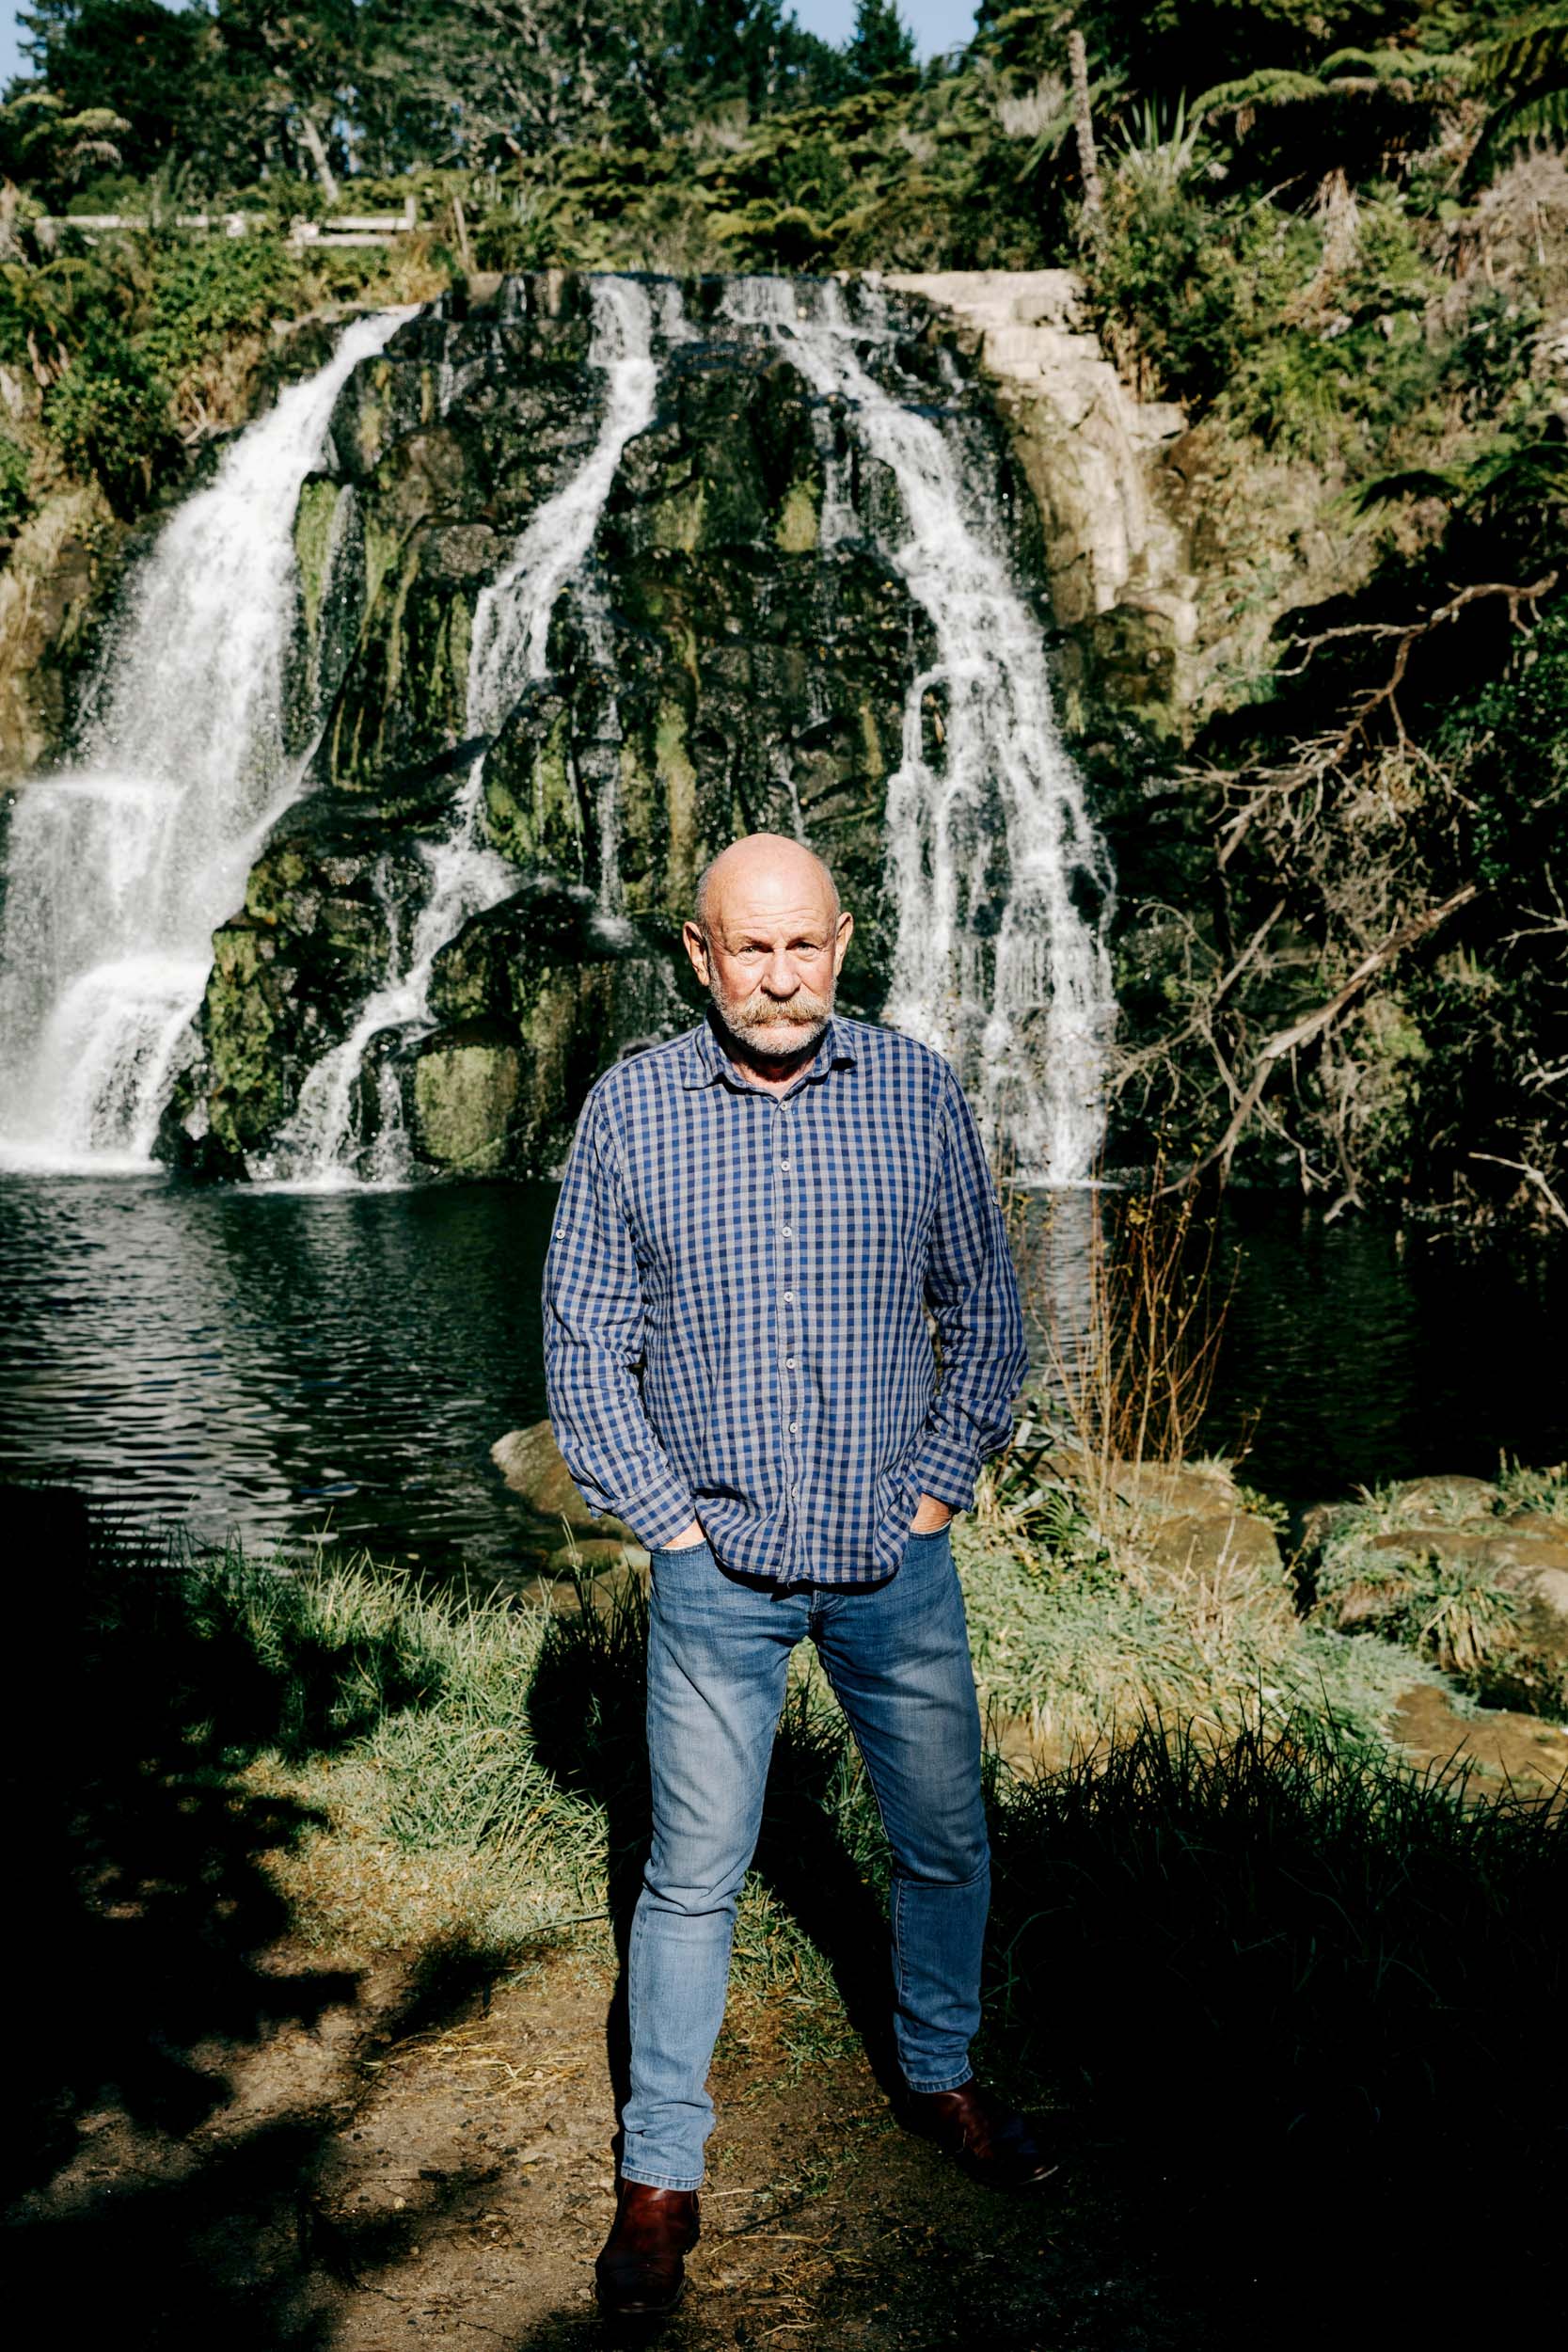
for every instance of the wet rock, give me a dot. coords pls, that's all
(467, 1088)
(719, 661)
(1119, 568)
(537, 997)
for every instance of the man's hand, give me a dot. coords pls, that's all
(930, 1516)
(689, 1537)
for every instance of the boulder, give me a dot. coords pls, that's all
(596, 1555)
(467, 1084)
(1422, 1496)
(530, 1462)
(1213, 1542)
(1451, 1547)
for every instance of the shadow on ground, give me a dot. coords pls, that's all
(1296, 2012)
(150, 1968)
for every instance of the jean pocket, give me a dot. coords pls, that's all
(678, 1551)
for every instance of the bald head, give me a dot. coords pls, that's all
(767, 942)
(764, 865)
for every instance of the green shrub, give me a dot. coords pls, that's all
(1180, 287)
(207, 288)
(15, 498)
(109, 416)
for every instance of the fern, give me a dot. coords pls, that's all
(1526, 55)
(1509, 477)
(1526, 71)
(1271, 85)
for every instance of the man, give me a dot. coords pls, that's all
(754, 1219)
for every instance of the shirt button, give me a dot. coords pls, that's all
(789, 1231)
(783, 1163)
(789, 1363)
(792, 1428)
(789, 1298)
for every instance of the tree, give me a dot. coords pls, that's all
(133, 58)
(880, 43)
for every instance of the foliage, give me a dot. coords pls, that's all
(109, 416)
(207, 289)
(15, 476)
(1430, 1586)
(1524, 72)
(880, 43)
(1318, 1966)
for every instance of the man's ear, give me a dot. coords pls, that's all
(695, 943)
(841, 944)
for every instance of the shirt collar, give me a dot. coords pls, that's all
(710, 1062)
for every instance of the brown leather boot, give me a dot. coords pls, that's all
(641, 2271)
(988, 2140)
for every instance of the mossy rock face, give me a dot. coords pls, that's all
(467, 1084)
(291, 970)
(568, 988)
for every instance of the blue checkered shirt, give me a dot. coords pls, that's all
(736, 1295)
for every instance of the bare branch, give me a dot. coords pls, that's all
(1532, 1175)
(1312, 1024)
(1329, 752)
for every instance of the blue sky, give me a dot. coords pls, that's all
(936, 24)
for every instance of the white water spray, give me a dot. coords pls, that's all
(995, 962)
(120, 870)
(508, 650)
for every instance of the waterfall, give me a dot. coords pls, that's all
(995, 963)
(508, 650)
(119, 869)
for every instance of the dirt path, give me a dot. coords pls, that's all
(452, 2184)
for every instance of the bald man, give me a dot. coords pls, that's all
(756, 1219)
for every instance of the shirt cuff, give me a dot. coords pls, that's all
(944, 1469)
(663, 1511)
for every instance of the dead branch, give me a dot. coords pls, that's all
(1532, 1175)
(1248, 953)
(1312, 1024)
(1326, 752)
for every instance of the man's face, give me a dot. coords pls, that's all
(771, 955)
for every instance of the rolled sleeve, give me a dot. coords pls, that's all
(971, 1291)
(594, 1340)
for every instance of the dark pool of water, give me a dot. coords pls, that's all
(274, 1364)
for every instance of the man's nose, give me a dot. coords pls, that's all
(781, 977)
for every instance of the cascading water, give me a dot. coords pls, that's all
(508, 649)
(995, 963)
(997, 883)
(120, 869)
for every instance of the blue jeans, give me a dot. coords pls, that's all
(898, 1658)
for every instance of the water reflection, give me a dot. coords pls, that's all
(275, 1363)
